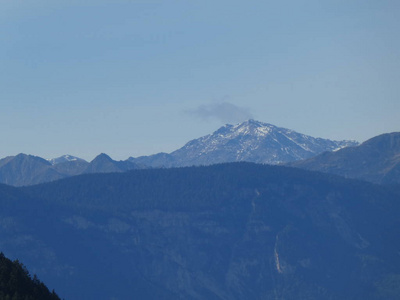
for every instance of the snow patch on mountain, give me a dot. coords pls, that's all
(64, 159)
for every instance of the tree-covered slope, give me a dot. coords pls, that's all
(231, 231)
(17, 284)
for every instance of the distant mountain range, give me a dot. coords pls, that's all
(376, 160)
(23, 169)
(250, 141)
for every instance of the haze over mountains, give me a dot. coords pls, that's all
(250, 141)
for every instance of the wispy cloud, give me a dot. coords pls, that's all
(224, 111)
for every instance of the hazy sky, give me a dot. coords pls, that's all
(131, 78)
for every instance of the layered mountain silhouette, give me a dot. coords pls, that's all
(230, 231)
(22, 169)
(250, 141)
(121, 230)
(376, 160)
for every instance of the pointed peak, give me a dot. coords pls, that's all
(102, 156)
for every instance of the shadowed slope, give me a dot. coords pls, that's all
(376, 160)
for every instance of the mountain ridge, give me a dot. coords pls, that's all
(376, 160)
(251, 141)
(24, 169)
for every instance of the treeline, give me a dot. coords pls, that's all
(17, 284)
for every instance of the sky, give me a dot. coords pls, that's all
(132, 78)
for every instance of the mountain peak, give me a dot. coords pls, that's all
(387, 141)
(254, 127)
(249, 127)
(252, 122)
(251, 141)
(102, 157)
(103, 163)
(22, 157)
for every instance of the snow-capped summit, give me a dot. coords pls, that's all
(251, 141)
(251, 127)
(63, 159)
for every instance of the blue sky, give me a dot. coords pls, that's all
(131, 78)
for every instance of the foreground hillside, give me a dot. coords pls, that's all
(16, 283)
(231, 231)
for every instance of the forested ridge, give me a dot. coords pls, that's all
(228, 231)
(188, 188)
